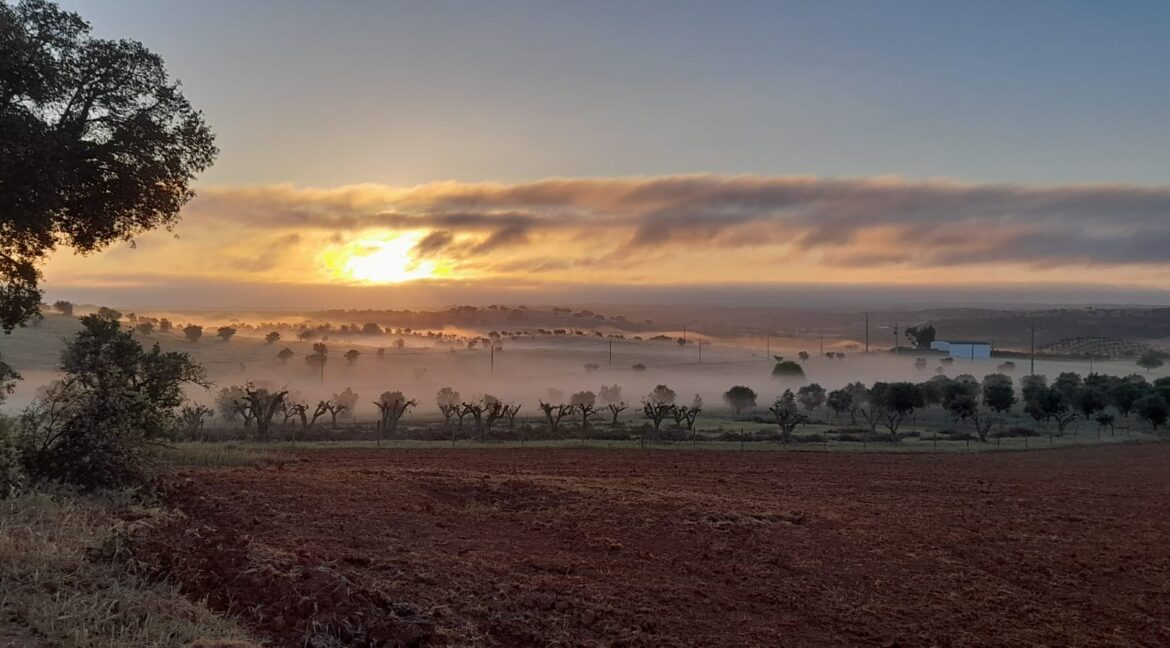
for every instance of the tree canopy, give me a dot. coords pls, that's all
(97, 145)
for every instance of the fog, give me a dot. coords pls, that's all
(523, 367)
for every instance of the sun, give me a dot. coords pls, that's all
(381, 259)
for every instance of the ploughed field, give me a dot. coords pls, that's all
(515, 547)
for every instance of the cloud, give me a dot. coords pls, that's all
(846, 222)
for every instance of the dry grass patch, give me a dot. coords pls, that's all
(51, 582)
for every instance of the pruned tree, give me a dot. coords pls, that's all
(493, 410)
(392, 405)
(553, 413)
(352, 355)
(585, 403)
(510, 412)
(272, 338)
(191, 418)
(263, 404)
(448, 401)
(225, 333)
(786, 414)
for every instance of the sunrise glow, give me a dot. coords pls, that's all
(380, 259)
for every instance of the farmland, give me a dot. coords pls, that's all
(592, 547)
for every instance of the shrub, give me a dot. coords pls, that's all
(12, 480)
(92, 426)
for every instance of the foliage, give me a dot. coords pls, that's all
(1153, 409)
(811, 396)
(12, 478)
(8, 378)
(1152, 359)
(225, 333)
(740, 398)
(787, 369)
(92, 426)
(921, 336)
(895, 401)
(787, 416)
(97, 144)
(192, 332)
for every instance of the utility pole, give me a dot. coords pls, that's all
(700, 350)
(897, 349)
(768, 344)
(493, 358)
(611, 353)
(684, 332)
(1033, 329)
(822, 346)
(867, 332)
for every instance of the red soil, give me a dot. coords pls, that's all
(669, 548)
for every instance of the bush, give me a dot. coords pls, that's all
(92, 427)
(12, 479)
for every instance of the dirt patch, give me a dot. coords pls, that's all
(598, 548)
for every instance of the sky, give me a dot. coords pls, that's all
(390, 153)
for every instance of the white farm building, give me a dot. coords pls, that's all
(963, 350)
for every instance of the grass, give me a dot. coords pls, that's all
(50, 585)
(923, 444)
(194, 453)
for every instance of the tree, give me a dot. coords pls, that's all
(272, 338)
(585, 402)
(803, 355)
(392, 405)
(1088, 401)
(192, 332)
(345, 402)
(8, 379)
(225, 333)
(284, 355)
(787, 369)
(787, 416)
(895, 401)
(262, 404)
(64, 307)
(145, 328)
(318, 358)
(921, 336)
(351, 356)
(105, 312)
(1152, 359)
(97, 145)
(448, 401)
(1125, 393)
(998, 392)
(164, 325)
(811, 396)
(739, 398)
(1153, 409)
(840, 401)
(553, 413)
(191, 419)
(1067, 384)
(94, 424)
(611, 398)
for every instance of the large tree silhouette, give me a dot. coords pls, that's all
(97, 145)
